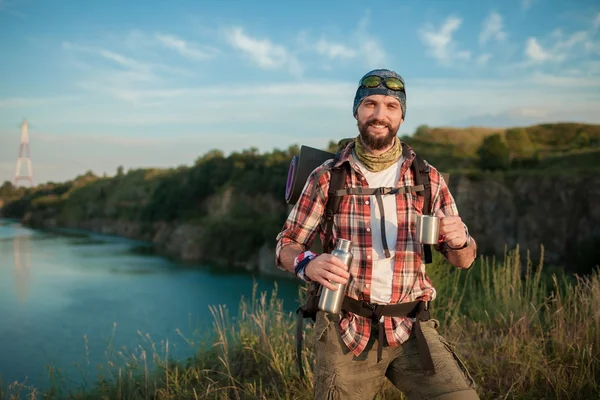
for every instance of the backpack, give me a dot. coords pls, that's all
(300, 168)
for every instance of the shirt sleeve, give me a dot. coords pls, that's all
(304, 220)
(443, 200)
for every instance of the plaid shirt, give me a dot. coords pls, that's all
(353, 221)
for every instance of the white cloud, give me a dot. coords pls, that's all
(123, 76)
(483, 58)
(9, 7)
(492, 28)
(440, 43)
(562, 48)
(528, 112)
(561, 81)
(358, 44)
(263, 52)
(591, 47)
(29, 102)
(142, 70)
(184, 48)
(327, 94)
(334, 50)
(375, 55)
(572, 41)
(596, 23)
(109, 55)
(535, 52)
(526, 4)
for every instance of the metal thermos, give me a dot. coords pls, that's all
(331, 300)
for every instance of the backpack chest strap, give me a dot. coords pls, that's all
(379, 190)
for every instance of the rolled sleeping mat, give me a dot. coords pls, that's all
(301, 167)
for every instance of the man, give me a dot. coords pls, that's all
(387, 267)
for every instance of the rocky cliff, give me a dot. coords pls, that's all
(560, 212)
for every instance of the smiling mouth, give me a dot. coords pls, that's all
(378, 126)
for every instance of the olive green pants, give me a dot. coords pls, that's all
(339, 374)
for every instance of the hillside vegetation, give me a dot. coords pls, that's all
(538, 147)
(238, 200)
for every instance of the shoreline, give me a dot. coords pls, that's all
(175, 241)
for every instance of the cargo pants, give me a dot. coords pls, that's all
(339, 374)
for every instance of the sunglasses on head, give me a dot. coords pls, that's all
(374, 81)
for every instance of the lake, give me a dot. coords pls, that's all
(72, 299)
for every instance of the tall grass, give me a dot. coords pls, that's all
(523, 333)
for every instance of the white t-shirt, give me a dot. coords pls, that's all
(383, 268)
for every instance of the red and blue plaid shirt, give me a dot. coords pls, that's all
(353, 221)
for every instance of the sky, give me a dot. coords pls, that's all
(160, 83)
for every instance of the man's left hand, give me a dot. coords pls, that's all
(452, 230)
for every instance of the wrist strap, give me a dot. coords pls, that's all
(300, 263)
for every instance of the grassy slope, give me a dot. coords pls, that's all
(522, 332)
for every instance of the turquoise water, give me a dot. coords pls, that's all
(71, 300)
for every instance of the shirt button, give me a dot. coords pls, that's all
(367, 202)
(368, 257)
(367, 285)
(368, 229)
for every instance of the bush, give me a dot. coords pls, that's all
(494, 153)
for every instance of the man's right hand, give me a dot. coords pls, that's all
(327, 270)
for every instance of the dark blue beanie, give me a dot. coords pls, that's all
(363, 92)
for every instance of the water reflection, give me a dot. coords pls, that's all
(22, 265)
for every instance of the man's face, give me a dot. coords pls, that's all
(379, 118)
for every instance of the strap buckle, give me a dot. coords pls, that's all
(376, 310)
(368, 306)
(329, 214)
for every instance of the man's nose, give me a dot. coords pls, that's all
(379, 112)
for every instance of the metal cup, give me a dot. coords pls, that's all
(428, 229)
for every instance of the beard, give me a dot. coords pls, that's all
(374, 142)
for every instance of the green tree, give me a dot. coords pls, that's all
(581, 141)
(493, 153)
(422, 130)
(519, 144)
(210, 155)
(7, 188)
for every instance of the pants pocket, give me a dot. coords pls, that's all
(459, 362)
(321, 325)
(325, 385)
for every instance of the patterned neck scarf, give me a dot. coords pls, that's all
(380, 162)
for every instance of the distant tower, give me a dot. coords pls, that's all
(24, 156)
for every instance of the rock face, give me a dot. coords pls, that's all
(562, 213)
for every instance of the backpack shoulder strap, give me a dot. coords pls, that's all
(421, 172)
(310, 308)
(337, 181)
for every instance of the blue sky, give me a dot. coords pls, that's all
(157, 83)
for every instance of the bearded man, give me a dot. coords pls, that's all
(356, 350)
